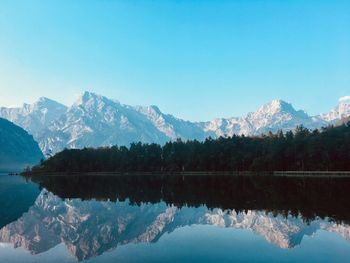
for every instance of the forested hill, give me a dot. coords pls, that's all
(17, 147)
(326, 149)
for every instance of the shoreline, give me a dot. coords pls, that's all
(305, 174)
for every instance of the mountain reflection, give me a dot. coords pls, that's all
(94, 215)
(308, 197)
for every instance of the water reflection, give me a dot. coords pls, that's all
(16, 196)
(308, 197)
(94, 215)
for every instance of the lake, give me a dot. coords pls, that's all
(174, 219)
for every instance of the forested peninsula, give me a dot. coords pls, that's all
(327, 149)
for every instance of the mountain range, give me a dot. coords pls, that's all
(90, 228)
(94, 121)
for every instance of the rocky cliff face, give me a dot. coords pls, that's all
(95, 120)
(89, 228)
(171, 126)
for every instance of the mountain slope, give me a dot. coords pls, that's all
(342, 121)
(171, 126)
(94, 121)
(34, 117)
(342, 110)
(18, 148)
(280, 115)
(273, 116)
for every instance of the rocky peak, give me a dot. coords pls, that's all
(276, 107)
(341, 111)
(90, 99)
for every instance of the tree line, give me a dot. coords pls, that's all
(327, 149)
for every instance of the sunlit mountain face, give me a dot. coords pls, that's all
(92, 221)
(95, 120)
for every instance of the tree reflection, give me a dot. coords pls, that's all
(307, 197)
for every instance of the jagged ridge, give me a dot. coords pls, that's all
(89, 228)
(94, 120)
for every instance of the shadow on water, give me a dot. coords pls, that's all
(306, 197)
(16, 197)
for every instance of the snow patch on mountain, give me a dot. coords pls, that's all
(171, 126)
(341, 111)
(94, 121)
(34, 117)
(273, 116)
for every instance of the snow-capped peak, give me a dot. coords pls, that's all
(279, 114)
(344, 100)
(341, 111)
(87, 97)
(95, 120)
(34, 117)
(44, 100)
(278, 102)
(272, 108)
(91, 101)
(46, 104)
(276, 106)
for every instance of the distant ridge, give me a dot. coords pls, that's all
(95, 120)
(18, 148)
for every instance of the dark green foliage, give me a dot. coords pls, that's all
(328, 149)
(310, 197)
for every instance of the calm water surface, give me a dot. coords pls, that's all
(177, 219)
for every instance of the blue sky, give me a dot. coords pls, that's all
(195, 59)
